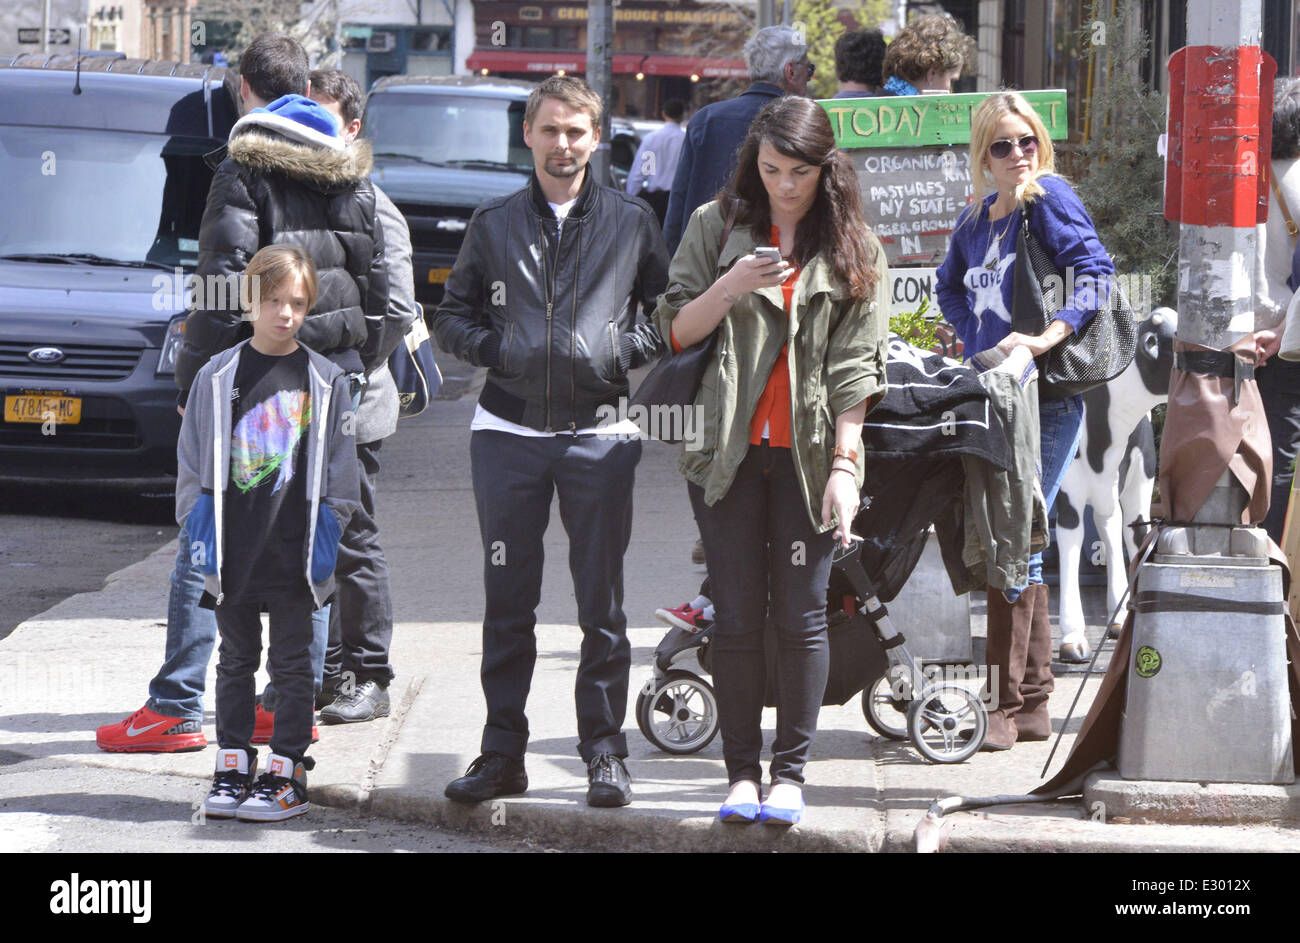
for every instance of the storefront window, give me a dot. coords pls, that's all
(1067, 59)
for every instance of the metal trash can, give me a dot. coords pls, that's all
(1207, 697)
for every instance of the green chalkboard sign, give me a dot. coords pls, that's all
(919, 120)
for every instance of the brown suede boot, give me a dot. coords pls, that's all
(1009, 626)
(1034, 722)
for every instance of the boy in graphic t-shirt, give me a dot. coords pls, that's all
(266, 482)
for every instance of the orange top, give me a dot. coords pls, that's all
(773, 410)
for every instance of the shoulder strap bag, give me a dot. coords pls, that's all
(1097, 353)
(414, 369)
(675, 379)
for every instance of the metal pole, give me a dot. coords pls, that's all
(1216, 254)
(45, 29)
(600, 76)
(766, 13)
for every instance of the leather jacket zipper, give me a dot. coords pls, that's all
(548, 277)
(573, 333)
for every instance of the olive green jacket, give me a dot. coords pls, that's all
(837, 351)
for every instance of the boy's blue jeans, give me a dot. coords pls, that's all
(177, 689)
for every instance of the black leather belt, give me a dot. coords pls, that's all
(1216, 363)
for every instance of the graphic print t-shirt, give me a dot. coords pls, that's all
(266, 499)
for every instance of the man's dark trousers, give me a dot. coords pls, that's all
(514, 479)
(362, 615)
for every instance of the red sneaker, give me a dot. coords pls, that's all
(265, 726)
(683, 617)
(147, 731)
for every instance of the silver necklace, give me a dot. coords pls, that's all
(991, 262)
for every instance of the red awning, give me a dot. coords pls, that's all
(691, 65)
(545, 61)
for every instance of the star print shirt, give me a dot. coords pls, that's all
(265, 516)
(974, 282)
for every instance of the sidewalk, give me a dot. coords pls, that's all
(88, 660)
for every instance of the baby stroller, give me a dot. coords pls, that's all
(677, 711)
(934, 417)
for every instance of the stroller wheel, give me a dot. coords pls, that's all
(884, 710)
(947, 723)
(679, 717)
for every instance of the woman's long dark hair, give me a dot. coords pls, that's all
(834, 225)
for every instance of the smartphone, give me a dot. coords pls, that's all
(771, 253)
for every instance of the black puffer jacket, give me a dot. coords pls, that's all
(558, 314)
(279, 184)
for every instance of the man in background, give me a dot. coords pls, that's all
(777, 58)
(655, 163)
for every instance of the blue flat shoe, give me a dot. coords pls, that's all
(743, 813)
(775, 815)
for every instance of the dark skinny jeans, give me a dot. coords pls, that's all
(760, 543)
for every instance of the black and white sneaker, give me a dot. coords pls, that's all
(275, 795)
(231, 783)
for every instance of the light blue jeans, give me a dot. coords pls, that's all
(1060, 426)
(177, 689)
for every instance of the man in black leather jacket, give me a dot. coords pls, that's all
(551, 292)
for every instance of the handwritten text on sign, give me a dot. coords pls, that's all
(912, 197)
(909, 287)
(917, 120)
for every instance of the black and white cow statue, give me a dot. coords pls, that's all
(1114, 473)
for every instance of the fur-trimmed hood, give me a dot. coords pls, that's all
(298, 151)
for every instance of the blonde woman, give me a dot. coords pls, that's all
(1013, 154)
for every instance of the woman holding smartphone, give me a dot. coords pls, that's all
(783, 267)
(1013, 153)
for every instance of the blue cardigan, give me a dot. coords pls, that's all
(974, 282)
(708, 154)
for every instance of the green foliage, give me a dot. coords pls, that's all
(821, 28)
(1116, 170)
(915, 327)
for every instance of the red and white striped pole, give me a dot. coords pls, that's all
(1216, 188)
(1220, 113)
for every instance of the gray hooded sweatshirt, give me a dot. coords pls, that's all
(203, 468)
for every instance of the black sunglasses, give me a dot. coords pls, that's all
(1028, 146)
(812, 69)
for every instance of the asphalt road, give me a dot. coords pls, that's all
(58, 539)
(47, 806)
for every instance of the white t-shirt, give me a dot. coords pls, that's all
(1274, 248)
(484, 420)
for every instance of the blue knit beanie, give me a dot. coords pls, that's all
(304, 111)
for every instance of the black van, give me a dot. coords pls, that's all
(105, 188)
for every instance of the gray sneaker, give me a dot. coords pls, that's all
(231, 783)
(366, 701)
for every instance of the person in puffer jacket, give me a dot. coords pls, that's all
(289, 178)
(285, 177)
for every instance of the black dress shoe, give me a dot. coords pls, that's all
(327, 693)
(366, 701)
(610, 785)
(492, 774)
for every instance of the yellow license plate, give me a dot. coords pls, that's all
(438, 276)
(43, 407)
